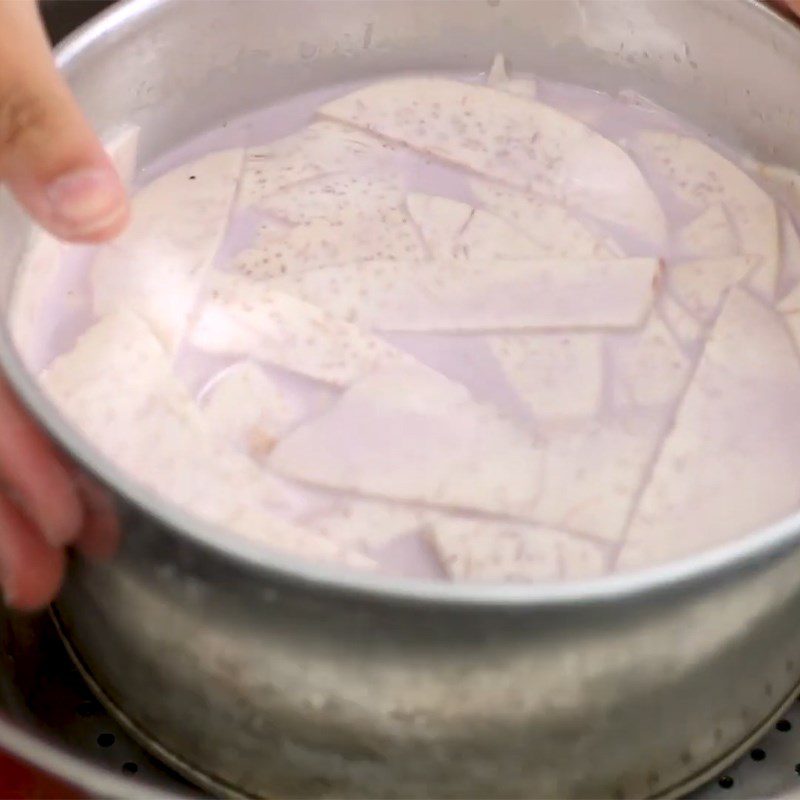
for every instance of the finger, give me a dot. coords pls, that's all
(49, 156)
(31, 466)
(793, 6)
(31, 570)
(100, 536)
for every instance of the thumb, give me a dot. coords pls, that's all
(49, 157)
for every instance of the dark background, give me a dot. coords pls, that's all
(63, 16)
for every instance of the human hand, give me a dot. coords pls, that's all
(57, 169)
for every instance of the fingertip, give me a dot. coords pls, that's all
(87, 204)
(31, 571)
(109, 229)
(104, 231)
(62, 516)
(54, 506)
(101, 533)
(34, 589)
(41, 480)
(52, 499)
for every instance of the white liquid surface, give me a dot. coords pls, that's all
(463, 357)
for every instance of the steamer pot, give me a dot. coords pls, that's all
(257, 675)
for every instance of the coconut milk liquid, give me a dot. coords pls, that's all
(465, 358)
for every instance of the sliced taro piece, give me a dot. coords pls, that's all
(731, 462)
(483, 296)
(409, 433)
(159, 265)
(517, 141)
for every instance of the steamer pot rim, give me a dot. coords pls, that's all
(748, 552)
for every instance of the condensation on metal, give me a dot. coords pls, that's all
(64, 708)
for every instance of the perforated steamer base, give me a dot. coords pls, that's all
(41, 688)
